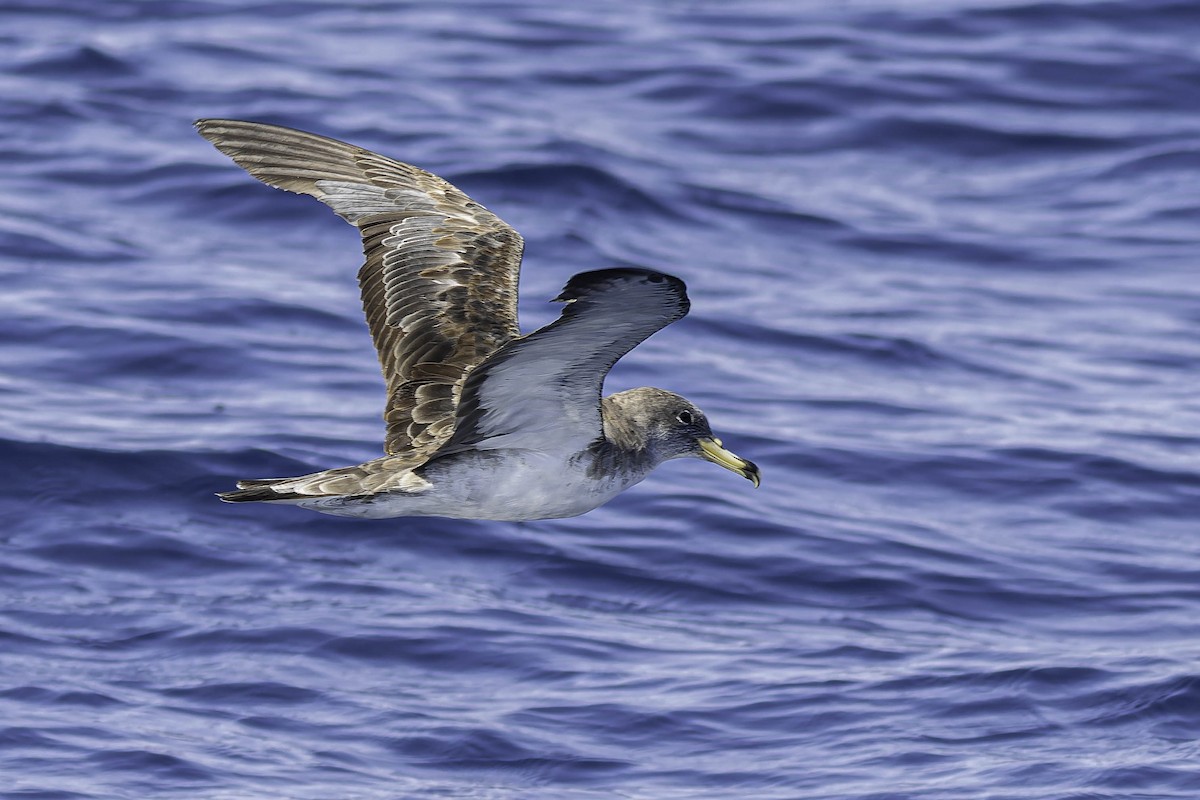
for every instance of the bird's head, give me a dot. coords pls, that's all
(673, 427)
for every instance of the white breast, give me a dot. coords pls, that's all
(500, 485)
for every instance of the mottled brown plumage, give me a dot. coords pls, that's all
(439, 281)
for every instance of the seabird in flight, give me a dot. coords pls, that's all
(482, 422)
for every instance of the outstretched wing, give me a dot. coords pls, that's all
(546, 387)
(439, 284)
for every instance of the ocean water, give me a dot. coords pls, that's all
(944, 260)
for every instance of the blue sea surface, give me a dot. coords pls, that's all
(944, 261)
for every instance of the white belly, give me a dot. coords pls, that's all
(500, 485)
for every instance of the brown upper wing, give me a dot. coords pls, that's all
(439, 284)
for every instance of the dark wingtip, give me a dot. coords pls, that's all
(204, 124)
(585, 283)
(216, 129)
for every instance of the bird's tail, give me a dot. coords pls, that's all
(346, 482)
(263, 490)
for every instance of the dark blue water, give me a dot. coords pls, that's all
(944, 260)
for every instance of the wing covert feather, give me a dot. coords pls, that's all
(439, 279)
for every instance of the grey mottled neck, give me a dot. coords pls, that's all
(624, 448)
(622, 426)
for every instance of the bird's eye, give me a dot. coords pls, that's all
(684, 417)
